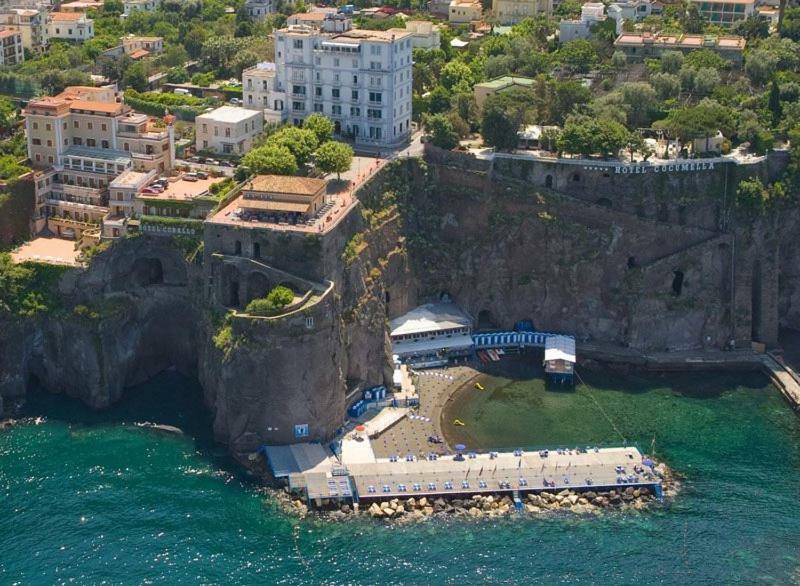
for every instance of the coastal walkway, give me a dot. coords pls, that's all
(783, 377)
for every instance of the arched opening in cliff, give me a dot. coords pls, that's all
(445, 297)
(755, 303)
(631, 262)
(548, 181)
(576, 177)
(147, 271)
(256, 250)
(237, 248)
(677, 282)
(258, 286)
(604, 202)
(485, 320)
(233, 294)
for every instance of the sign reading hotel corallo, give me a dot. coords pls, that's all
(662, 168)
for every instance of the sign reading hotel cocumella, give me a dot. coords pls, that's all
(661, 168)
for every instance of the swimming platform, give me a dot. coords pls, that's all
(323, 478)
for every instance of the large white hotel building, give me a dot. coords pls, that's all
(361, 79)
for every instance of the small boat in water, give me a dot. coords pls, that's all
(479, 386)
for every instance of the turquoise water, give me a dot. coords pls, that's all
(90, 499)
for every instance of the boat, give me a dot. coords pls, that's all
(479, 386)
(458, 422)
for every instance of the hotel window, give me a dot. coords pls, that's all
(336, 110)
(126, 147)
(47, 127)
(354, 95)
(90, 142)
(89, 125)
(376, 97)
(318, 108)
(64, 125)
(355, 65)
(216, 131)
(228, 132)
(36, 126)
(104, 144)
(336, 62)
(297, 43)
(355, 79)
(205, 128)
(375, 50)
(318, 91)
(299, 106)
(37, 141)
(335, 93)
(103, 127)
(374, 114)
(355, 111)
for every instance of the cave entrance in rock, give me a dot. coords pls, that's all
(548, 181)
(147, 271)
(755, 303)
(485, 320)
(237, 248)
(604, 202)
(258, 286)
(256, 250)
(677, 282)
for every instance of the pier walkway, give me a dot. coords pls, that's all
(783, 377)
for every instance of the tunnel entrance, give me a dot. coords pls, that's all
(147, 271)
(485, 320)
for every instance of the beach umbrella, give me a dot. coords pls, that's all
(648, 462)
(360, 428)
(460, 447)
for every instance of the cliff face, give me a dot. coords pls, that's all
(603, 261)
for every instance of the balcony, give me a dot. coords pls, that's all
(77, 190)
(70, 223)
(147, 135)
(76, 206)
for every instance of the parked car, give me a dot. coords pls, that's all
(190, 177)
(212, 162)
(227, 164)
(195, 160)
(201, 174)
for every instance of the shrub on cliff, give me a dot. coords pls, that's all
(278, 298)
(28, 289)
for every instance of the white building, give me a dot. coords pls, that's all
(424, 34)
(361, 79)
(132, 43)
(259, 9)
(431, 334)
(228, 130)
(72, 26)
(11, 45)
(131, 6)
(258, 84)
(633, 10)
(512, 11)
(591, 14)
(464, 11)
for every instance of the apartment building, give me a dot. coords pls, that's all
(592, 13)
(640, 46)
(228, 130)
(78, 142)
(464, 11)
(725, 12)
(361, 79)
(11, 45)
(31, 23)
(512, 11)
(132, 44)
(258, 84)
(72, 26)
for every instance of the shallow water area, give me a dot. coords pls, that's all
(91, 497)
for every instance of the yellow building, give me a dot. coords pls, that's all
(279, 195)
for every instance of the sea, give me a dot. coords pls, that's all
(92, 498)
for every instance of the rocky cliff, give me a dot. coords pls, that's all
(505, 242)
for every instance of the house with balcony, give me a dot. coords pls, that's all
(30, 22)
(464, 11)
(640, 46)
(513, 11)
(11, 52)
(258, 85)
(725, 13)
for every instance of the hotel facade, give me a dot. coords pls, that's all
(78, 142)
(360, 79)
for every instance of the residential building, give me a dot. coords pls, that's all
(725, 12)
(228, 130)
(592, 13)
(259, 9)
(133, 44)
(640, 46)
(315, 19)
(464, 11)
(121, 199)
(500, 84)
(80, 6)
(634, 10)
(11, 45)
(258, 84)
(81, 140)
(72, 26)
(31, 23)
(770, 14)
(296, 198)
(512, 11)
(361, 79)
(439, 8)
(131, 6)
(424, 34)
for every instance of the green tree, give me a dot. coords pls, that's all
(498, 129)
(135, 77)
(705, 80)
(640, 99)
(301, 142)
(270, 159)
(752, 28)
(334, 157)
(760, 65)
(790, 25)
(671, 61)
(666, 85)
(278, 298)
(691, 20)
(8, 115)
(442, 133)
(320, 125)
(705, 58)
(456, 73)
(618, 60)
(439, 100)
(578, 55)
(774, 102)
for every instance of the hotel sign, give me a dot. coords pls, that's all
(664, 168)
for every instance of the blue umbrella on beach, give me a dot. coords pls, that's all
(461, 447)
(648, 462)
